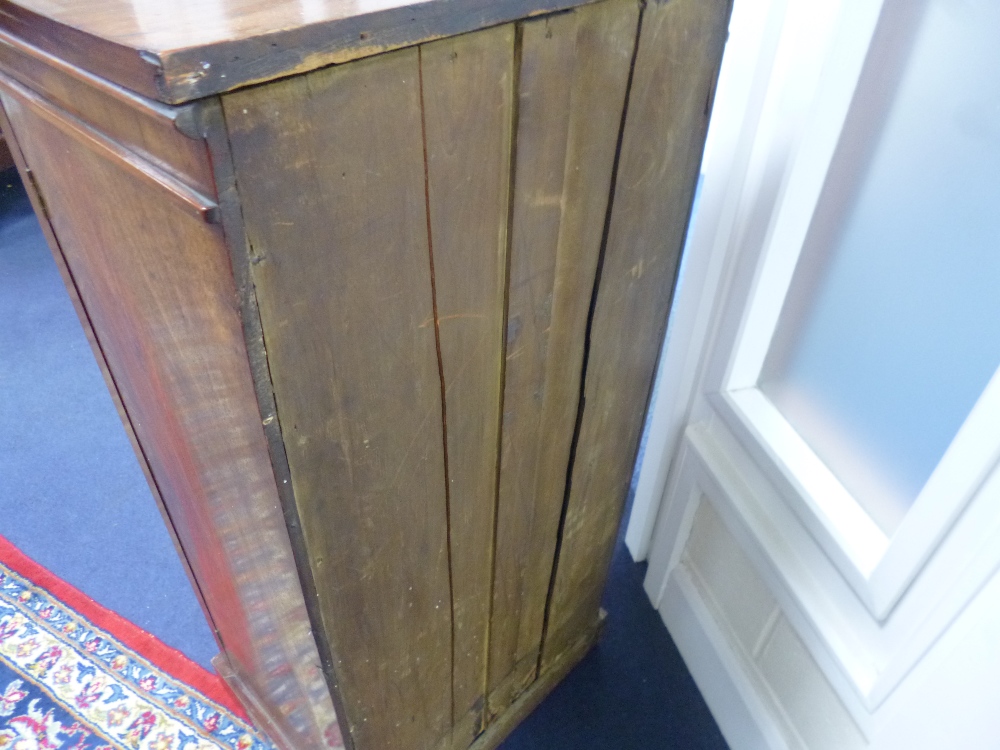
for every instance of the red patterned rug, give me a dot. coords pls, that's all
(76, 676)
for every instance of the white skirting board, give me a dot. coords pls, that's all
(744, 718)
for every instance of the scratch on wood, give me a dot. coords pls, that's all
(409, 449)
(456, 316)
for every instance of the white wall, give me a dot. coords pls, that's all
(948, 701)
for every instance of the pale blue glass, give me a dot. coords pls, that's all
(892, 328)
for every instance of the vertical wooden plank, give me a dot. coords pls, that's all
(330, 170)
(679, 51)
(574, 69)
(467, 85)
(313, 668)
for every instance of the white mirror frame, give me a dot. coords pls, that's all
(878, 568)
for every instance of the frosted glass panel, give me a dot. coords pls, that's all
(892, 327)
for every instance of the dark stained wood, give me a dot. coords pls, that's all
(181, 52)
(41, 213)
(331, 174)
(6, 157)
(573, 75)
(156, 287)
(87, 137)
(679, 50)
(467, 85)
(148, 128)
(117, 308)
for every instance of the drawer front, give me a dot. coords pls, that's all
(158, 296)
(151, 130)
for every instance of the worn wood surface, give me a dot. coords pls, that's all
(330, 170)
(298, 686)
(572, 87)
(539, 690)
(187, 50)
(679, 50)
(156, 287)
(467, 84)
(6, 157)
(150, 129)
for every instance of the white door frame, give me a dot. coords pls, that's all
(867, 612)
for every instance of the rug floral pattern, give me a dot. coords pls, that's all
(66, 684)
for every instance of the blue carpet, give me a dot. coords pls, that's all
(74, 499)
(632, 691)
(72, 495)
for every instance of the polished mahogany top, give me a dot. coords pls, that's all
(179, 50)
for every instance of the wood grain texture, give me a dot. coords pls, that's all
(679, 51)
(262, 715)
(122, 306)
(189, 49)
(532, 697)
(331, 175)
(418, 318)
(85, 136)
(299, 686)
(41, 212)
(157, 288)
(6, 157)
(573, 75)
(467, 85)
(146, 127)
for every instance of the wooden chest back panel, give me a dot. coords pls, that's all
(395, 209)
(456, 320)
